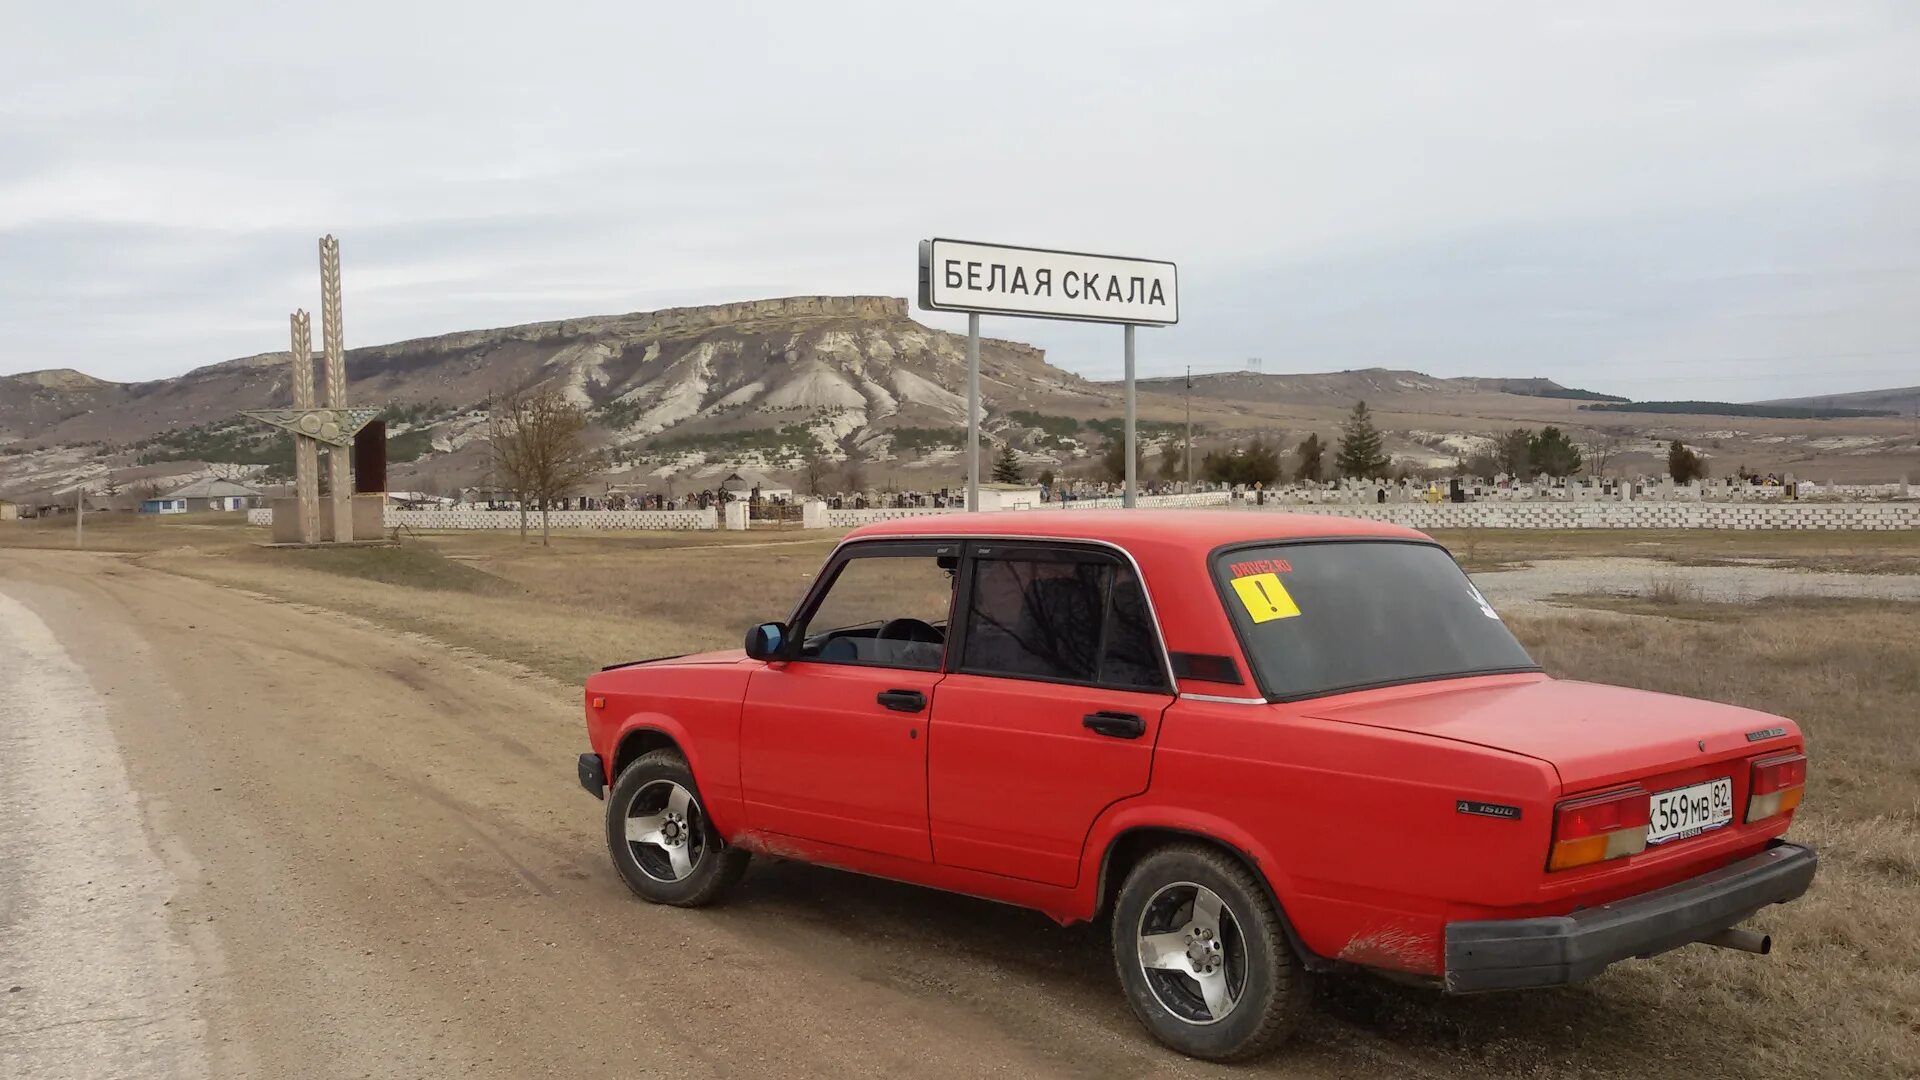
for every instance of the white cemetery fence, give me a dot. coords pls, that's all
(1625, 515)
(1188, 500)
(1645, 511)
(466, 518)
(849, 518)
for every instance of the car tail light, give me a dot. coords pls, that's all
(1600, 827)
(1778, 782)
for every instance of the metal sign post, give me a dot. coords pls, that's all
(1132, 492)
(999, 279)
(973, 410)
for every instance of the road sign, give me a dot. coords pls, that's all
(999, 279)
(1037, 283)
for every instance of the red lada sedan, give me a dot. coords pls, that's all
(1264, 746)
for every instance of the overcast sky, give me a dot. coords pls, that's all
(1664, 200)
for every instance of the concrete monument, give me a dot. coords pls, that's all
(333, 426)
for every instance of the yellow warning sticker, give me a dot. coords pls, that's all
(1264, 597)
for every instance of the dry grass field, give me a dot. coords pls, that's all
(1480, 550)
(1839, 997)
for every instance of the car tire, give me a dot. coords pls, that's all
(1202, 956)
(662, 843)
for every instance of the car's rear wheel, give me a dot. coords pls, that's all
(1202, 957)
(661, 841)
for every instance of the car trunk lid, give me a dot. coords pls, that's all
(1593, 735)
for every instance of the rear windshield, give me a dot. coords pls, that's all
(1317, 618)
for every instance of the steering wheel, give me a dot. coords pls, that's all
(909, 630)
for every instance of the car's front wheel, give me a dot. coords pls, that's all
(1201, 955)
(660, 839)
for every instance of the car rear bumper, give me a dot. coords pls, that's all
(1509, 954)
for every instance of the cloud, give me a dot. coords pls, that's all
(1617, 193)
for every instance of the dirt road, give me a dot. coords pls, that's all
(250, 839)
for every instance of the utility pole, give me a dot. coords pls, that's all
(80, 516)
(1189, 427)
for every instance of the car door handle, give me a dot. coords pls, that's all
(1118, 725)
(902, 700)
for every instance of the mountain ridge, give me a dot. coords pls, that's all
(680, 392)
(1902, 400)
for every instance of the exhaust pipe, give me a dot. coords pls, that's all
(1734, 937)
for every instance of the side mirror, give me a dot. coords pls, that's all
(768, 641)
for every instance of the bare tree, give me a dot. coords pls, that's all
(853, 474)
(540, 451)
(1601, 448)
(814, 470)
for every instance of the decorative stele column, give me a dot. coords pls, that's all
(339, 457)
(306, 452)
(312, 427)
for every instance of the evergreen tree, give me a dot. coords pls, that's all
(1113, 463)
(1006, 467)
(1262, 463)
(1683, 464)
(1173, 463)
(1310, 452)
(1256, 463)
(1362, 454)
(1553, 452)
(1514, 454)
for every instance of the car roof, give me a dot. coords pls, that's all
(1197, 529)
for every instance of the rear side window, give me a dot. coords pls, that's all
(1131, 657)
(1320, 618)
(1063, 619)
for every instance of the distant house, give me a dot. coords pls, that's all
(743, 485)
(206, 493)
(418, 500)
(9, 511)
(491, 498)
(49, 503)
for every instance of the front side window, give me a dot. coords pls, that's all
(1320, 618)
(1062, 618)
(884, 610)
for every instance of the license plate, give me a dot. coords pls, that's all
(1689, 811)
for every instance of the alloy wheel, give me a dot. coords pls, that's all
(1192, 953)
(664, 830)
